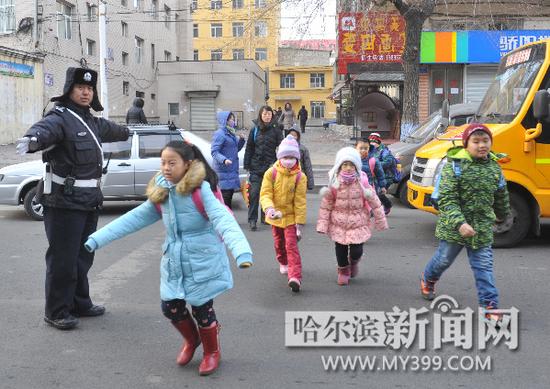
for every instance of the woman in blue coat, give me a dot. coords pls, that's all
(225, 152)
(194, 267)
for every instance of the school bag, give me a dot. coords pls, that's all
(197, 200)
(434, 197)
(395, 167)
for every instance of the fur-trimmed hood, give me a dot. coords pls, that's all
(157, 190)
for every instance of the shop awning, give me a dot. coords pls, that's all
(281, 98)
(380, 77)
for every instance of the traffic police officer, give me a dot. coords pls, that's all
(70, 138)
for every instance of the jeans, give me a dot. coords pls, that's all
(481, 262)
(254, 197)
(286, 250)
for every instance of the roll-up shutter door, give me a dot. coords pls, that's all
(478, 79)
(203, 114)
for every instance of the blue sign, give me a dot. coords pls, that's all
(490, 46)
(16, 69)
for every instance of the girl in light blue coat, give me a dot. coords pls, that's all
(225, 148)
(194, 267)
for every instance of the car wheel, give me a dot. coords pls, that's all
(517, 229)
(33, 208)
(402, 194)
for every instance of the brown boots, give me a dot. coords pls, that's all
(344, 274)
(193, 337)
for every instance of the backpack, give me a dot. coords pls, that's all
(197, 200)
(395, 167)
(434, 197)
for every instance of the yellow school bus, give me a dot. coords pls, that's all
(516, 109)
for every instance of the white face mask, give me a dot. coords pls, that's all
(287, 162)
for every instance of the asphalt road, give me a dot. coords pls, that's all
(134, 346)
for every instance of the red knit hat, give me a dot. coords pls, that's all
(473, 128)
(375, 137)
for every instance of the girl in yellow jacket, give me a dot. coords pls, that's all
(283, 199)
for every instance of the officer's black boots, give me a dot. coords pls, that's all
(67, 323)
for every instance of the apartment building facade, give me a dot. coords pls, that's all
(139, 33)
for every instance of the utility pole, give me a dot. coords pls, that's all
(103, 58)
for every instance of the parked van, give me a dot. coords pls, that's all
(404, 150)
(516, 108)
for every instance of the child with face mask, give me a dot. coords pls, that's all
(283, 199)
(345, 212)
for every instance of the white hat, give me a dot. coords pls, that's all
(345, 154)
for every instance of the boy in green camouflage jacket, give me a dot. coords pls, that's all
(470, 202)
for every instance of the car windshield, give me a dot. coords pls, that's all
(425, 129)
(514, 78)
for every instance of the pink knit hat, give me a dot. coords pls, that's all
(288, 148)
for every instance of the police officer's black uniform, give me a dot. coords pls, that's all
(71, 209)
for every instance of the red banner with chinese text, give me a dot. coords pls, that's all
(374, 37)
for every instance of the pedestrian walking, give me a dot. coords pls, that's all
(225, 148)
(194, 268)
(302, 117)
(388, 163)
(70, 138)
(345, 212)
(259, 155)
(472, 197)
(135, 114)
(305, 160)
(283, 199)
(372, 168)
(287, 118)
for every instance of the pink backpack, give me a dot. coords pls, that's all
(197, 200)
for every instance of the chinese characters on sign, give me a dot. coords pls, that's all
(510, 42)
(372, 37)
(402, 328)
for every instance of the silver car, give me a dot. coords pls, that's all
(131, 165)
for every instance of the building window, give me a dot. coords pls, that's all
(238, 29)
(125, 88)
(140, 94)
(259, 3)
(167, 16)
(216, 30)
(317, 109)
(260, 29)
(173, 109)
(260, 55)
(125, 58)
(216, 55)
(153, 59)
(7, 16)
(195, 30)
(124, 28)
(195, 55)
(238, 54)
(139, 49)
(91, 11)
(238, 4)
(90, 46)
(287, 80)
(155, 9)
(153, 96)
(215, 4)
(194, 5)
(64, 20)
(317, 80)
(167, 55)
(138, 4)
(124, 3)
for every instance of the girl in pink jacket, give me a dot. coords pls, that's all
(345, 212)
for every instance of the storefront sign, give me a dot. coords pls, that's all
(369, 38)
(16, 69)
(474, 46)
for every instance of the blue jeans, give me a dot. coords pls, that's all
(481, 262)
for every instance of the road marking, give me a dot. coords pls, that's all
(124, 269)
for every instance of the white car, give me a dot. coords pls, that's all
(131, 165)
